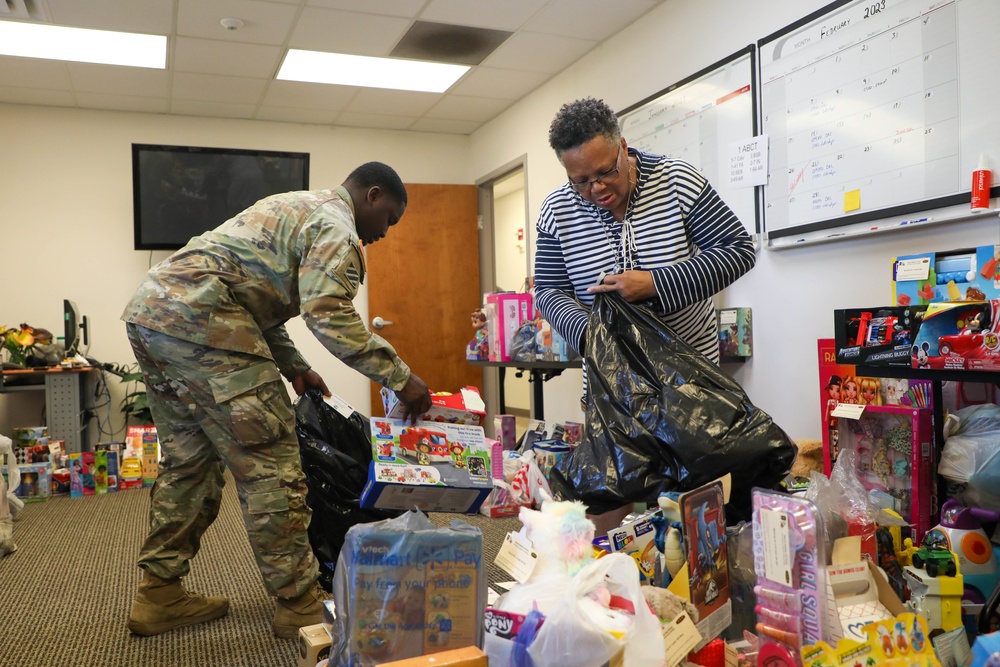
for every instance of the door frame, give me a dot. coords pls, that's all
(487, 259)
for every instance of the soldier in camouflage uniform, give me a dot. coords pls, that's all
(207, 328)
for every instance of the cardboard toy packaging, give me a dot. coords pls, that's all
(969, 274)
(36, 484)
(959, 336)
(470, 656)
(437, 467)
(314, 645)
(131, 473)
(858, 591)
(464, 407)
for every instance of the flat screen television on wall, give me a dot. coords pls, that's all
(178, 192)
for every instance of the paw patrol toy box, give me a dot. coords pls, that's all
(431, 466)
(465, 407)
(964, 336)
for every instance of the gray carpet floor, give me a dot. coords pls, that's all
(65, 593)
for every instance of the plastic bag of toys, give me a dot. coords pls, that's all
(662, 417)
(335, 451)
(970, 456)
(405, 588)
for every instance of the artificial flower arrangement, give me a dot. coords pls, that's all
(19, 342)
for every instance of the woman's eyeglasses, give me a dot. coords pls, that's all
(609, 175)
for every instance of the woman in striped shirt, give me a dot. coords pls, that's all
(645, 226)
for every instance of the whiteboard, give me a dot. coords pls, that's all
(877, 110)
(697, 120)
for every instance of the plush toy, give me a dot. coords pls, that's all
(666, 605)
(809, 458)
(561, 534)
(10, 504)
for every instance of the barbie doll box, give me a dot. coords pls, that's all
(875, 336)
(433, 466)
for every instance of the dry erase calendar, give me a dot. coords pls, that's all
(697, 120)
(877, 109)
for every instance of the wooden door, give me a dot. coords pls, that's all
(424, 278)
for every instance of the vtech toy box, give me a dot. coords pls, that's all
(433, 466)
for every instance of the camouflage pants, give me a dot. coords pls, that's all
(217, 409)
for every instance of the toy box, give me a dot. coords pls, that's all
(878, 336)
(27, 436)
(969, 274)
(635, 538)
(510, 310)
(505, 430)
(434, 466)
(130, 476)
(894, 450)
(36, 484)
(314, 645)
(406, 588)
(858, 591)
(959, 336)
(735, 333)
(464, 407)
(470, 656)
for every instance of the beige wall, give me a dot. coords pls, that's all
(66, 216)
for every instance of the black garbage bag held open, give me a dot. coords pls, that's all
(335, 451)
(661, 417)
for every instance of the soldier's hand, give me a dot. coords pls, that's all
(416, 399)
(309, 380)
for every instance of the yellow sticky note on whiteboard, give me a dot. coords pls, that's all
(852, 201)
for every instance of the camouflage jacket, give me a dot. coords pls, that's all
(234, 287)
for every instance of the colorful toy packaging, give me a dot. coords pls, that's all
(436, 467)
(405, 588)
(464, 407)
(875, 336)
(961, 336)
(898, 642)
(937, 277)
(35, 482)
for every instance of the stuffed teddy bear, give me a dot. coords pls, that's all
(666, 605)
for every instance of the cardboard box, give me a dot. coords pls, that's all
(470, 656)
(433, 466)
(635, 538)
(939, 277)
(735, 333)
(878, 336)
(314, 645)
(464, 407)
(857, 591)
(509, 310)
(959, 336)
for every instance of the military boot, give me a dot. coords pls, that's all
(162, 605)
(290, 614)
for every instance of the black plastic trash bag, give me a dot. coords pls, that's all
(335, 452)
(662, 417)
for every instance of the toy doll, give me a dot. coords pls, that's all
(869, 391)
(478, 348)
(832, 398)
(850, 390)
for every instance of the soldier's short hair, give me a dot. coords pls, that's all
(580, 121)
(372, 174)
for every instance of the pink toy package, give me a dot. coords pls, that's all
(790, 561)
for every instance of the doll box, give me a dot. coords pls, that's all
(893, 448)
(436, 467)
(464, 407)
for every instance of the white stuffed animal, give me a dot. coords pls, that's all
(10, 504)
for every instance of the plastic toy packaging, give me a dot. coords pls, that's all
(846, 506)
(405, 588)
(970, 456)
(986, 651)
(790, 561)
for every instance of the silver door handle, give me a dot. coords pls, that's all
(379, 323)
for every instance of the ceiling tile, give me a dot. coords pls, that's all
(335, 31)
(505, 15)
(215, 109)
(33, 73)
(535, 52)
(229, 58)
(308, 95)
(123, 102)
(456, 107)
(114, 80)
(58, 98)
(404, 8)
(263, 22)
(380, 100)
(588, 19)
(501, 84)
(445, 126)
(155, 17)
(376, 120)
(214, 88)
(297, 115)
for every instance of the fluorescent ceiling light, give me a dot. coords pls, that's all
(368, 72)
(104, 47)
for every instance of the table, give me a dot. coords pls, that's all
(66, 400)
(540, 371)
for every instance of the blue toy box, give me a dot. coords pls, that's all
(971, 274)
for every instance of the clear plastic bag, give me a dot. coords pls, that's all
(971, 457)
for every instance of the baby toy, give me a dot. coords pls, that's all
(961, 531)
